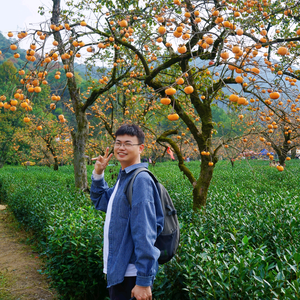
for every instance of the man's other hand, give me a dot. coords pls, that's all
(141, 293)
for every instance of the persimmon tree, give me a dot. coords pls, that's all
(189, 40)
(9, 124)
(64, 49)
(47, 139)
(279, 134)
(10, 116)
(192, 54)
(275, 128)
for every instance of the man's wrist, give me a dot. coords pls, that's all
(97, 176)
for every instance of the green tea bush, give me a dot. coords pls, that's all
(74, 254)
(245, 246)
(67, 228)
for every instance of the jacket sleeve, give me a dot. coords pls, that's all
(146, 222)
(100, 193)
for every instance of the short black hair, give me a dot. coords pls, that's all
(132, 130)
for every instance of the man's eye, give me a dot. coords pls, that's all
(127, 144)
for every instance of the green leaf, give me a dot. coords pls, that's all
(258, 278)
(232, 236)
(245, 240)
(297, 257)
(280, 276)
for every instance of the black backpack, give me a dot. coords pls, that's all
(167, 242)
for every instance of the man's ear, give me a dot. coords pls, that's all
(141, 148)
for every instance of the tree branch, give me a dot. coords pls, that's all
(182, 166)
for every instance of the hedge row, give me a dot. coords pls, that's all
(246, 245)
(67, 228)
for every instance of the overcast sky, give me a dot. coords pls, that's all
(19, 15)
(16, 15)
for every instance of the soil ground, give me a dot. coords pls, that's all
(20, 264)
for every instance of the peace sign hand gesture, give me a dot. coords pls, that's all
(102, 162)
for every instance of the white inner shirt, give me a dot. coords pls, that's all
(131, 269)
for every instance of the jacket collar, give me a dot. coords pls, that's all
(133, 167)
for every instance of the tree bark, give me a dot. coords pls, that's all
(282, 153)
(52, 150)
(79, 146)
(202, 185)
(55, 167)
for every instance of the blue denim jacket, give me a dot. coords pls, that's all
(132, 230)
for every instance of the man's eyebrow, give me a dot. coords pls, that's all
(124, 141)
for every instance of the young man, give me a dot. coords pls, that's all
(129, 255)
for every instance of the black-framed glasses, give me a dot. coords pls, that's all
(126, 145)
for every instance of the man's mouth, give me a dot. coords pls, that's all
(121, 153)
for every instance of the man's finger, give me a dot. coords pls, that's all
(95, 158)
(106, 152)
(110, 156)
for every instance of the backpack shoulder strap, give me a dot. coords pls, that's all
(128, 187)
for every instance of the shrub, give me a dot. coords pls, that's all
(67, 228)
(245, 246)
(74, 254)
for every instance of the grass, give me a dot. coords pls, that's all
(5, 286)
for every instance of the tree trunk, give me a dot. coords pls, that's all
(52, 150)
(201, 188)
(79, 146)
(283, 153)
(282, 159)
(294, 152)
(55, 167)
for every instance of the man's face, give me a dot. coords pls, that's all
(127, 150)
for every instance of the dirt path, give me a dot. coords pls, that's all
(19, 265)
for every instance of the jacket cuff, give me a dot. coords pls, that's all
(96, 176)
(144, 281)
